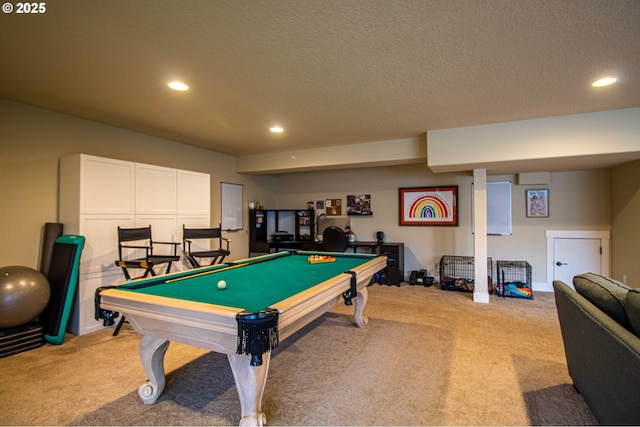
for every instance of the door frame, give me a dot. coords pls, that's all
(605, 239)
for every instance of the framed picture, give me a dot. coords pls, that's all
(359, 205)
(429, 206)
(538, 203)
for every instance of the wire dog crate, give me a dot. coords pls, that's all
(514, 279)
(457, 273)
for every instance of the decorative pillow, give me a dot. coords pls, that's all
(607, 294)
(632, 304)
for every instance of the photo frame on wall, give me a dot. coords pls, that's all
(538, 203)
(359, 205)
(429, 205)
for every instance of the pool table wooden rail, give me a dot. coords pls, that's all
(304, 307)
(208, 326)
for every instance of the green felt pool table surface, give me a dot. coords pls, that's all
(252, 285)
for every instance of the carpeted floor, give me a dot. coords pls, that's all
(427, 357)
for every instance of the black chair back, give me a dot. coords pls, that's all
(195, 256)
(201, 233)
(334, 239)
(132, 234)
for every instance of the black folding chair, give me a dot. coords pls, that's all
(195, 257)
(139, 240)
(141, 236)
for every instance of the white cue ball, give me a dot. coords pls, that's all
(222, 284)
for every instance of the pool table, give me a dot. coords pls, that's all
(266, 300)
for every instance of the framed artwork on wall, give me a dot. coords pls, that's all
(359, 205)
(429, 205)
(538, 203)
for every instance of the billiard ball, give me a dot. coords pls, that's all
(222, 284)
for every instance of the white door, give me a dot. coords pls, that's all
(576, 256)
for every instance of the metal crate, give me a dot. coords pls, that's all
(457, 273)
(514, 279)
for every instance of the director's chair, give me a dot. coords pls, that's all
(216, 255)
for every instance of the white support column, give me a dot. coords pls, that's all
(480, 290)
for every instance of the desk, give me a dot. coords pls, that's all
(279, 245)
(371, 246)
(188, 307)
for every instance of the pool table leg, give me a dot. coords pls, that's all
(361, 302)
(152, 352)
(250, 382)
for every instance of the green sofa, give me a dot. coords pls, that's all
(600, 324)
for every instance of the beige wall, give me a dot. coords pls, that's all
(33, 139)
(31, 142)
(625, 213)
(572, 196)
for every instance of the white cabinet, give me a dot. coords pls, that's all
(106, 186)
(191, 198)
(156, 190)
(97, 195)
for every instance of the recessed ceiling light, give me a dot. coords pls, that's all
(176, 85)
(605, 81)
(276, 129)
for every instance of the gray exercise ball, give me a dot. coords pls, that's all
(24, 294)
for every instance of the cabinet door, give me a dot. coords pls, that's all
(106, 186)
(101, 246)
(156, 190)
(391, 252)
(194, 193)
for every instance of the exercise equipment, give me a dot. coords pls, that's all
(63, 278)
(62, 281)
(24, 294)
(50, 232)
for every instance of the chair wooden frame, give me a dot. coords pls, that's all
(217, 256)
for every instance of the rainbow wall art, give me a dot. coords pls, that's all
(429, 206)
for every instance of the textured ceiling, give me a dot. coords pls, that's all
(329, 72)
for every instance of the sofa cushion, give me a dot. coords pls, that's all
(607, 294)
(632, 305)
